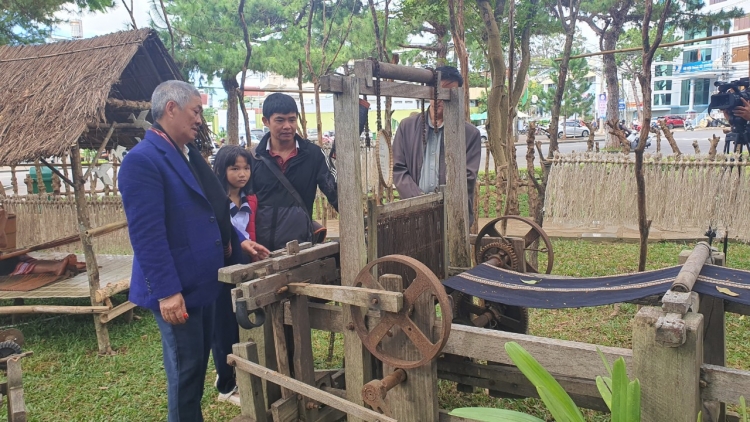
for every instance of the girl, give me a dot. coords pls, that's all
(232, 167)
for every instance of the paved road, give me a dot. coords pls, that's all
(684, 142)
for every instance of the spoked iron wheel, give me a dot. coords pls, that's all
(493, 229)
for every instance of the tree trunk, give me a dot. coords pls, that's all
(318, 119)
(456, 9)
(230, 87)
(613, 86)
(302, 115)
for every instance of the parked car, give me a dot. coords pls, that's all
(328, 137)
(258, 133)
(312, 135)
(482, 133)
(572, 128)
(673, 121)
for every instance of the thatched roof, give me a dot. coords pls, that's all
(53, 95)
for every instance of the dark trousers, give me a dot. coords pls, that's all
(226, 333)
(186, 348)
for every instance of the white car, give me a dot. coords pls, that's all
(482, 132)
(572, 129)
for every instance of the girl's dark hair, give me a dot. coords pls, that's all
(226, 157)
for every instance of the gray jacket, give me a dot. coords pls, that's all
(408, 155)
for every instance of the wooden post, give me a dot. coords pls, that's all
(669, 376)
(262, 338)
(92, 268)
(351, 229)
(13, 180)
(39, 179)
(372, 229)
(714, 337)
(64, 160)
(251, 393)
(303, 355)
(457, 197)
(416, 398)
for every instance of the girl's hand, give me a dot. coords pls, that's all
(255, 250)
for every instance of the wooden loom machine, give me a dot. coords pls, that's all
(386, 303)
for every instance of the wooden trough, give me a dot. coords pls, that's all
(677, 353)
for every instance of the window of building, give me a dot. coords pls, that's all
(662, 99)
(740, 54)
(700, 55)
(692, 35)
(701, 94)
(742, 23)
(663, 86)
(663, 70)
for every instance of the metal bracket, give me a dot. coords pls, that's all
(243, 315)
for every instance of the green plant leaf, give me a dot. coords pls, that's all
(559, 400)
(634, 401)
(604, 361)
(486, 414)
(743, 409)
(604, 385)
(619, 391)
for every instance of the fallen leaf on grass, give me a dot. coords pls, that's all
(726, 291)
(530, 281)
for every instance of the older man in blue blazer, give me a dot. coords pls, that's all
(180, 229)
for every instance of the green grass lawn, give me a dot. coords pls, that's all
(65, 380)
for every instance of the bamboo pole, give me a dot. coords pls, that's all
(64, 166)
(52, 309)
(14, 180)
(39, 179)
(107, 228)
(92, 268)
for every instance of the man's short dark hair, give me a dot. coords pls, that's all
(279, 103)
(451, 74)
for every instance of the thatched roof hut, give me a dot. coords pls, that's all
(54, 95)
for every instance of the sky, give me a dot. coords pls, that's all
(116, 19)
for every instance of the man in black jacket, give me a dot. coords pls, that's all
(282, 154)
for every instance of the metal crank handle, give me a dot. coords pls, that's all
(243, 316)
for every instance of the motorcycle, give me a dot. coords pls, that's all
(633, 139)
(689, 125)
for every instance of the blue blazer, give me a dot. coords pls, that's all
(173, 229)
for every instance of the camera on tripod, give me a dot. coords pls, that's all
(728, 101)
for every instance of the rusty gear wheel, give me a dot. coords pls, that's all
(505, 256)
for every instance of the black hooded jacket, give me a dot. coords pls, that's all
(280, 219)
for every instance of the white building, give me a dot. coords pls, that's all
(684, 86)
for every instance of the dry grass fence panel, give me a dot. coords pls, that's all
(686, 192)
(41, 219)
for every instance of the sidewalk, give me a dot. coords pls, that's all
(603, 234)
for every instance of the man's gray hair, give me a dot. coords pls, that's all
(178, 91)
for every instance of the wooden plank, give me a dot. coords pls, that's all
(334, 84)
(235, 274)
(265, 290)
(14, 391)
(116, 311)
(510, 380)
(373, 213)
(285, 410)
(669, 376)
(736, 308)
(263, 338)
(352, 232)
(456, 194)
(416, 398)
(354, 410)
(250, 385)
(276, 316)
(304, 370)
(355, 296)
(406, 204)
(563, 357)
(724, 384)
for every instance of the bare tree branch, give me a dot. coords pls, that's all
(130, 12)
(169, 26)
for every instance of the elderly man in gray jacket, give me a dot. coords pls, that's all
(419, 166)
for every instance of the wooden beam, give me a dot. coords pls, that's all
(403, 73)
(669, 376)
(691, 268)
(128, 104)
(353, 256)
(410, 203)
(355, 296)
(334, 84)
(456, 191)
(354, 410)
(724, 384)
(116, 311)
(252, 401)
(235, 274)
(52, 309)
